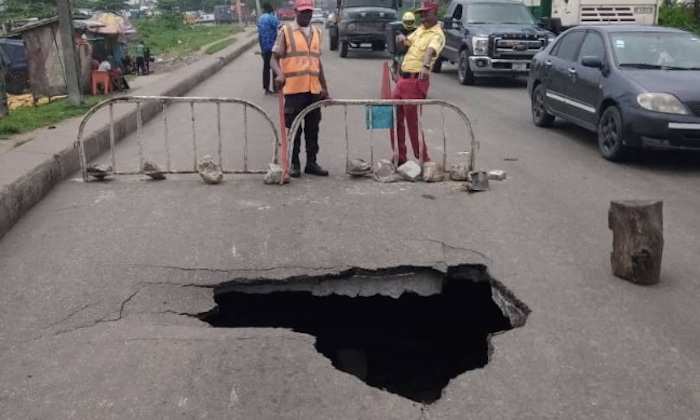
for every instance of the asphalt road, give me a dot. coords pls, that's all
(99, 279)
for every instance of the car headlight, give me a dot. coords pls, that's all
(661, 102)
(480, 45)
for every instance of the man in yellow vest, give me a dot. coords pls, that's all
(296, 60)
(424, 46)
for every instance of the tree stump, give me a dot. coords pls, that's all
(638, 240)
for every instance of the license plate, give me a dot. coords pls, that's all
(519, 66)
(643, 10)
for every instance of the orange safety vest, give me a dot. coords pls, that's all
(301, 63)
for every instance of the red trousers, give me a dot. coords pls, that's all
(410, 88)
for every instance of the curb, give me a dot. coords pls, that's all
(17, 198)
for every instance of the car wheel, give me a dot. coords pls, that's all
(344, 48)
(334, 43)
(437, 67)
(464, 72)
(610, 135)
(540, 116)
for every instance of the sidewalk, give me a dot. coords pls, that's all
(33, 163)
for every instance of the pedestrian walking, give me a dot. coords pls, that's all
(140, 58)
(147, 58)
(424, 46)
(296, 60)
(268, 25)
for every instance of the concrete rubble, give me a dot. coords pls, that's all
(152, 170)
(359, 167)
(497, 175)
(274, 175)
(459, 172)
(386, 172)
(99, 171)
(209, 171)
(477, 181)
(433, 172)
(410, 171)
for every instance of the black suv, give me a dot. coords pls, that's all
(490, 38)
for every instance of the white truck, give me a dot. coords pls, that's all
(563, 14)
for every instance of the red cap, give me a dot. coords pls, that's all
(428, 5)
(304, 5)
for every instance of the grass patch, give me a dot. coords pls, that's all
(164, 37)
(30, 118)
(678, 16)
(216, 47)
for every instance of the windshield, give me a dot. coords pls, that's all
(655, 50)
(498, 13)
(369, 3)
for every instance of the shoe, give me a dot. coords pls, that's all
(268, 92)
(315, 169)
(295, 171)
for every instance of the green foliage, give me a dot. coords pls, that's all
(161, 37)
(678, 16)
(218, 46)
(27, 119)
(112, 5)
(23, 9)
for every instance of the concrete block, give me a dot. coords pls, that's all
(410, 171)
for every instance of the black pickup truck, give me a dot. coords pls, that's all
(488, 38)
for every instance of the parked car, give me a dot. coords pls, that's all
(317, 16)
(636, 86)
(489, 38)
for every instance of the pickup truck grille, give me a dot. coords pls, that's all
(516, 47)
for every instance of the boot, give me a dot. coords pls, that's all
(314, 168)
(295, 170)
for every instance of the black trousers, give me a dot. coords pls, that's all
(293, 105)
(267, 72)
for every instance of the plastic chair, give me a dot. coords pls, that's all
(101, 77)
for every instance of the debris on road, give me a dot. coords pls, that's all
(386, 172)
(274, 175)
(410, 171)
(359, 167)
(497, 175)
(99, 171)
(152, 170)
(209, 170)
(511, 159)
(477, 181)
(459, 172)
(433, 172)
(638, 240)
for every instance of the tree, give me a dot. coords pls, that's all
(22, 9)
(111, 5)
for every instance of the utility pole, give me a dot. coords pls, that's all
(257, 9)
(70, 62)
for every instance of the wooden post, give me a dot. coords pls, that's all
(638, 240)
(4, 110)
(70, 60)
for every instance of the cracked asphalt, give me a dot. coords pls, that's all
(102, 283)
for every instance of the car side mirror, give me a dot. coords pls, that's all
(449, 22)
(592, 61)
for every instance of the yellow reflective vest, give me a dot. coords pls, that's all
(301, 63)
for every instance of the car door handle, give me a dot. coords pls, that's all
(548, 63)
(572, 71)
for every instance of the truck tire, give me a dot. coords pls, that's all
(344, 45)
(437, 67)
(333, 43)
(464, 72)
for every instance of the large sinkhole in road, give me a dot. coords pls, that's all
(406, 330)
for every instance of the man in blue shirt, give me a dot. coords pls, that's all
(267, 34)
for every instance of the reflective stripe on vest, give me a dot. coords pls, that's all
(301, 61)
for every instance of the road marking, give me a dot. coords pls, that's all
(571, 102)
(684, 126)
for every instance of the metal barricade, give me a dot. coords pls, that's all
(296, 124)
(163, 102)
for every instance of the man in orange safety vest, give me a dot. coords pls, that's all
(296, 60)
